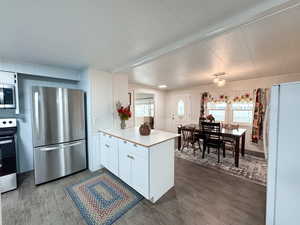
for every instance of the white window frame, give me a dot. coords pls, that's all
(225, 110)
(241, 123)
(229, 114)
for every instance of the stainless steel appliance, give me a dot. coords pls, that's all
(7, 96)
(8, 166)
(59, 138)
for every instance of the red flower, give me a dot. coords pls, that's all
(124, 113)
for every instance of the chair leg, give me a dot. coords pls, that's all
(218, 154)
(199, 143)
(203, 152)
(194, 149)
(224, 151)
(208, 150)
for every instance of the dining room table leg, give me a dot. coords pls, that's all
(179, 138)
(237, 152)
(243, 144)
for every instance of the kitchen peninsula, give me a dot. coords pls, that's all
(146, 163)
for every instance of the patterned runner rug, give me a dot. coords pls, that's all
(102, 199)
(250, 167)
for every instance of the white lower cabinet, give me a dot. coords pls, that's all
(125, 163)
(110, 153)
(133, 166)
(148, 170)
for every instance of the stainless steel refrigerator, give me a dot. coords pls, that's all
(58, 127)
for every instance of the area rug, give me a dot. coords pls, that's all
(250, 167)
(102, 199)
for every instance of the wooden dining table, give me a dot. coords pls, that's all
(239, 135)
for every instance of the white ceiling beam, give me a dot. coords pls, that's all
(265, 9)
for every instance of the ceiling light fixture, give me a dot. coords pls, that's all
(220, 82)
(216, 80)
(162, 86)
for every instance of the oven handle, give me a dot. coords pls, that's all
(5, 142)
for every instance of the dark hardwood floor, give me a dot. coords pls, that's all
(201, 197)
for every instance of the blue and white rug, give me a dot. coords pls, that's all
(103, 199)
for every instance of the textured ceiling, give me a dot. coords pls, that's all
(266, 47)
(105, 34)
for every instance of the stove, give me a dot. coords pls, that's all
(8, 162)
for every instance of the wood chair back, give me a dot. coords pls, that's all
(211, 130)
(188, 134)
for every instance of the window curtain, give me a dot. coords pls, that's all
(203, 104)
(261, 98)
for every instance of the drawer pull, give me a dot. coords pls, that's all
(109, 136)
(135, 145)
(106, 145)
(125, 142)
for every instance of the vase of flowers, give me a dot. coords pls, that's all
(124, 114)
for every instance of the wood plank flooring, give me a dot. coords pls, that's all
(201, 197)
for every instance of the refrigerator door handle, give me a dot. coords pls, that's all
(46, 149)
(36, 111)
(72, 144)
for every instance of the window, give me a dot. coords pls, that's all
(242, 112)
(142, 110)
(180, 108)
(218, 110)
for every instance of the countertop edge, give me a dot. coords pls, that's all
(134, 142)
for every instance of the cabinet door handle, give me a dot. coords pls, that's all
(135, 145)
(106, 145)
(125, 142)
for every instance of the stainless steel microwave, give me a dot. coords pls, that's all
(7, 96)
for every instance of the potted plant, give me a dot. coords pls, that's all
(124, 114)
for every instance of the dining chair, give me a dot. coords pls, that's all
(213, 137)
(229, 141)
(189, 138)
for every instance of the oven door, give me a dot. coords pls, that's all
(7, 156)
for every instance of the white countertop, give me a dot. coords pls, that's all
(133, 135)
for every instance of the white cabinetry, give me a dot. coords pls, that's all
(149, 170)
(110, 153)
(133, 166)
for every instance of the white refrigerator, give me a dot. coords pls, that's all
(283, 186)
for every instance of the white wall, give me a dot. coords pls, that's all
(231, 88)
(120, 93)
(159, 98)
(103, 91)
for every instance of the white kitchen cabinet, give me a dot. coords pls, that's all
(109, 153)
(125, 165)
(133, 166)
(140, 175)
(146, 163)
